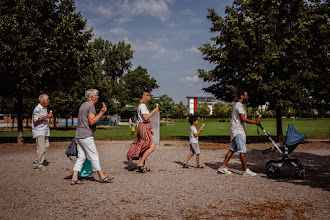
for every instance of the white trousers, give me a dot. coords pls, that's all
(87, 146)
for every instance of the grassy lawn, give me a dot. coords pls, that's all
(319, 128)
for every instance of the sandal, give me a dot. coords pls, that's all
(200, 167)
(76, 182)
(142, 169)
(148, 170)
(185, 165)
(106, 179)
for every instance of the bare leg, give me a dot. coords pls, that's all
(101, 174)
(146, 154)
(227, 158)
(197, 160)
(188, 158)
(243, 160)
(75, 176)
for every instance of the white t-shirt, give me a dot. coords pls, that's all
(41, 128)
(142, 109)
(192, 137)
(237, 125)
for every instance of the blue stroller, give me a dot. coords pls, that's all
(285, 167)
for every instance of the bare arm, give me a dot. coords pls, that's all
(43, 118)
(92, 119)
(147, 117)
(246, 120)
(199, 131)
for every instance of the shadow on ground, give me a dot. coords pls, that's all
(317, 171)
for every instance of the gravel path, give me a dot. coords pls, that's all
(169, 192)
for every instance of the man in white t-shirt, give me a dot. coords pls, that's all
(237, 134)
(40, 130)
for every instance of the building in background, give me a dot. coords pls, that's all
(193, 101)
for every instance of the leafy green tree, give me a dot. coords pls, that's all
(202, 109)
(267, 48)
(132, 83)
(220, 110)
(117, 60)
(166, 105)
(180, 110)
(113, 60)
(40, 50)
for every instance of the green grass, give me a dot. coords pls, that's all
(319, 128)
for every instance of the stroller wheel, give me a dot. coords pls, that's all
(272, 170)
(300, 172)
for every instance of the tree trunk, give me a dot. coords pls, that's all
(20, 138)
(279, 122)
(66, 123)
(54, 121)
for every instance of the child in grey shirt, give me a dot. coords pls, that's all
(193, 138)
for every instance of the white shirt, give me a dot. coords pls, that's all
(237, 125)
(41, 128)
(142, 109)
(193, 139)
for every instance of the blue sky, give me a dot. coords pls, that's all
(165, 35)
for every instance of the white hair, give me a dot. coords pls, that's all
(43, 97)
(90, 92)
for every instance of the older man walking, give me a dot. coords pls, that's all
(40, 130)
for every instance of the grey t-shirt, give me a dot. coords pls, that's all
(192, 131)
(84, 130)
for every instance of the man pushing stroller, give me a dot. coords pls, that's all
(237, 134)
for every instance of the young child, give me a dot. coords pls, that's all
(193, 138)
(133, 127)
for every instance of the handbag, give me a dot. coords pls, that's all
(72, 149)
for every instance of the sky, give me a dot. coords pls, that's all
(165, 35)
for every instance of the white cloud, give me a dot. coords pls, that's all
(197, 20)
(191, 79)
(122, 11)
(118, 31)
(172, 25)
(149, 48)
(187, 12)
(123, 20)
(193, 49)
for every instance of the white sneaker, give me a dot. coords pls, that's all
(224, 170)
(248, 172)
(42, 168)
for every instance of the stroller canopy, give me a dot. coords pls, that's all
(292, 136)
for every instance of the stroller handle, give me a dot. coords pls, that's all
(270, 139)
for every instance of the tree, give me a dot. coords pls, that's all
(112, 60)
(40, 45)
(180, 110)
(117, 60)
(166, 105)
(220, 110)
(132, 83)
(202, 109)
(266, 48)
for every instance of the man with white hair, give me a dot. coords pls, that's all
(40, 130)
